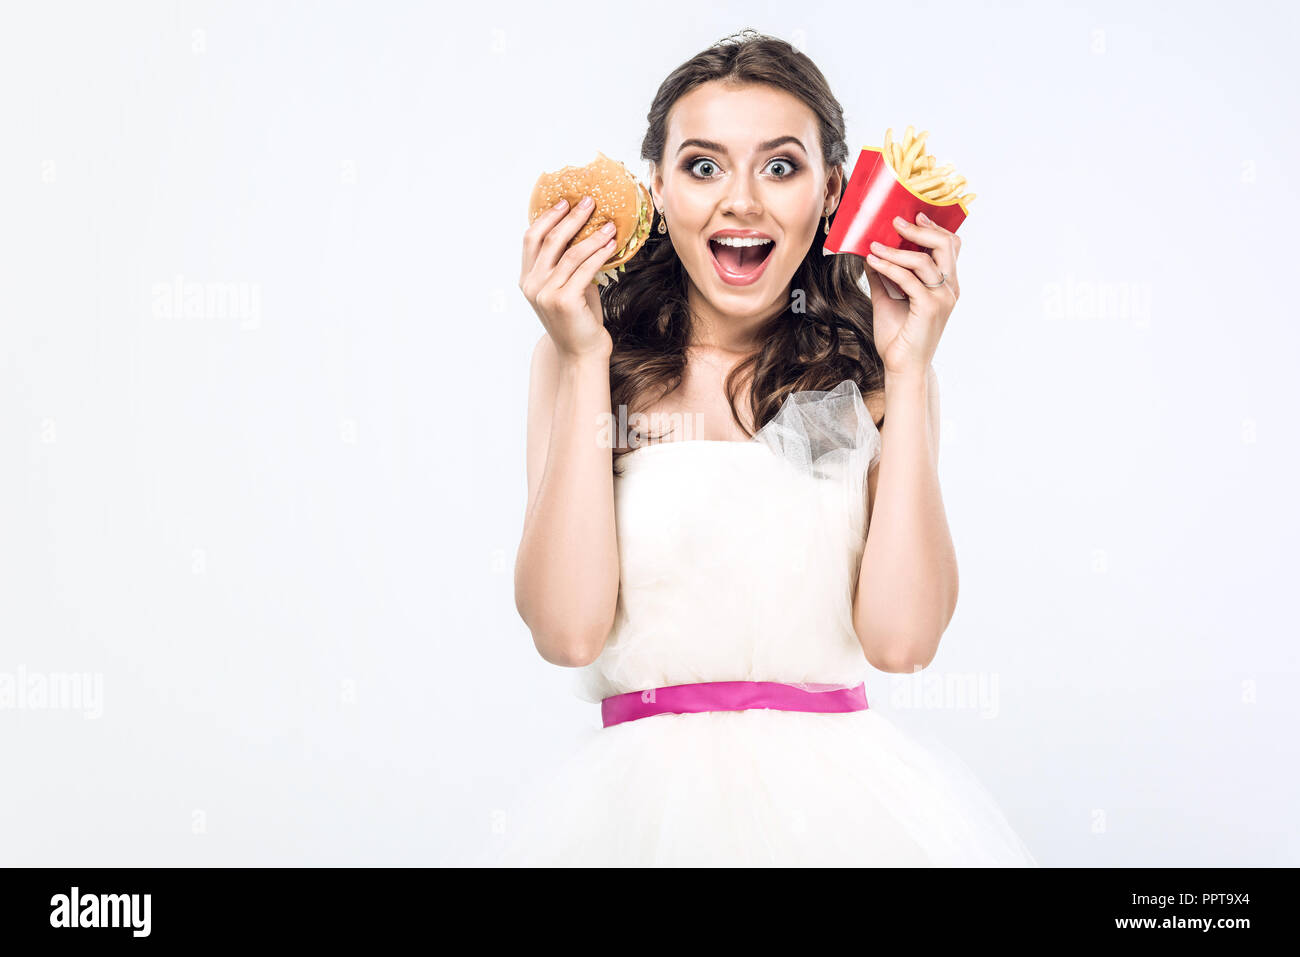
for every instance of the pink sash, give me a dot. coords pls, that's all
(732, 696)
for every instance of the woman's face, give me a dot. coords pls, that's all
(742, 160)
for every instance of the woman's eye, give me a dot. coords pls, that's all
(788, 167)
(697, 164)
(704, 168)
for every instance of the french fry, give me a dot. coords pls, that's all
(898, 179)
(930, 179)
(948, 191)
(919, 171)
(944, 185)
(913, 152)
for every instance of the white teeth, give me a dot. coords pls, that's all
(735, 241)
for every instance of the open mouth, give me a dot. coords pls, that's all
(740, 262)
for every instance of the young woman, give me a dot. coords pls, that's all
(710, 572)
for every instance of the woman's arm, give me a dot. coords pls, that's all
(567, 568)
(907, 585)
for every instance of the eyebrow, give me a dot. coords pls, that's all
(762, 147)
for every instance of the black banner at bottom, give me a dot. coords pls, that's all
(370, 906)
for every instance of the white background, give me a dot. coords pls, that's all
(283, 537)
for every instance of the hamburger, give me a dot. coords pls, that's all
(619, 199)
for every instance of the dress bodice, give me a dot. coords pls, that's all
(738, 560)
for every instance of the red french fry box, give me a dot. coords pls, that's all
(872, 199)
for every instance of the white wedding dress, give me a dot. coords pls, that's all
(738, 563)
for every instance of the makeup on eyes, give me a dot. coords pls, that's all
(690, 161)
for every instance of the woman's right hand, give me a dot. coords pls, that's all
(558, 282)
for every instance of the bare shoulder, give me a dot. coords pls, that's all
(875, 403)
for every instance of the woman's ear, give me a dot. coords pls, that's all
(834, 184)
(656, 187)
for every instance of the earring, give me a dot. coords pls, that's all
(826, 226)
(663, 223)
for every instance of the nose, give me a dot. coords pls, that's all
(740, 199)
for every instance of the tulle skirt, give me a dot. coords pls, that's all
(756, 788)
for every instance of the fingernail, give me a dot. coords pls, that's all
(923, 218)
(586, 201)
(561, 204)
(900, 221)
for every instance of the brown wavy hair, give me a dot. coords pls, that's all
(828, 340)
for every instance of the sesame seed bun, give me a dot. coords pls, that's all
(619, 199)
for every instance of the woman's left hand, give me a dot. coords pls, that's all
(907, 330)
